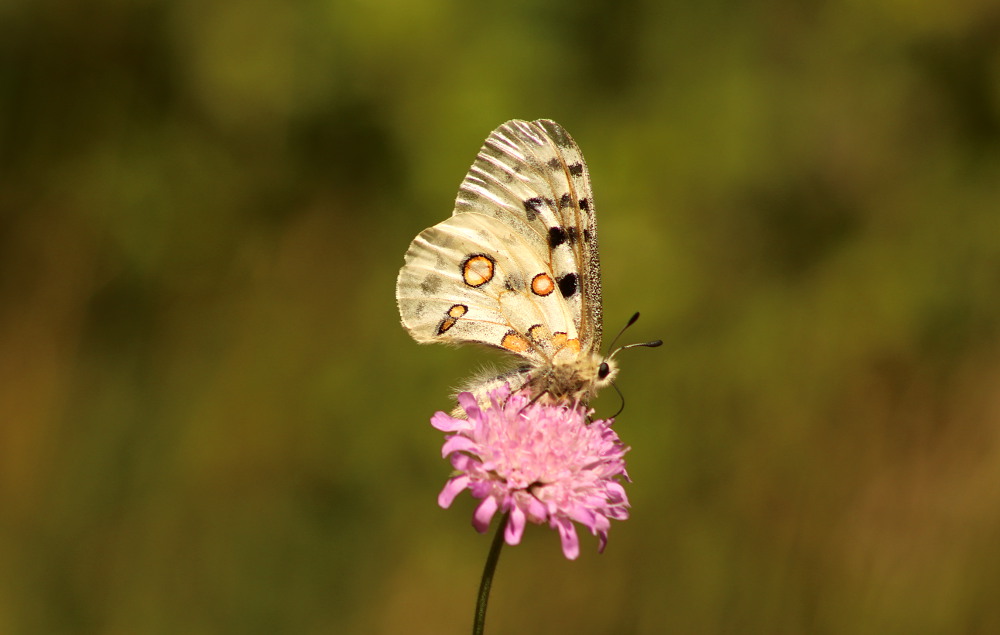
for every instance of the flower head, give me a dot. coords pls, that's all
(540, 462)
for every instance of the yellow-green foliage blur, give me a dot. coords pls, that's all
(212, 422)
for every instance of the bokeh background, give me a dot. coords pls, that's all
(212, 422)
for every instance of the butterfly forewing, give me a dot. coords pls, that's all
(516, 265)
(532, 176)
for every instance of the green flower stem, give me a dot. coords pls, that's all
(484, 586)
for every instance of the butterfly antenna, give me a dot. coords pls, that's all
(621, 397)
(632, 320)
(614, 351)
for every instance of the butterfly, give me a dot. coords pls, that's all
(516, 266)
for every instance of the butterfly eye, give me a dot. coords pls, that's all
(603, 370)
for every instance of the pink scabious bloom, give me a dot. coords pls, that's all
(540, 462)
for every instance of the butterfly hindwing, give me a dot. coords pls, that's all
(464, 281)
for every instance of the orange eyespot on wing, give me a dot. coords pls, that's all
(561, 342)
(451, 317)
(477, 270)
(514, 342)
(542, 284)
(571, 345)
(538, 333)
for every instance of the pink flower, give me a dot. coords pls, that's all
(542, 463)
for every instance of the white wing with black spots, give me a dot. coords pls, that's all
(516, 266)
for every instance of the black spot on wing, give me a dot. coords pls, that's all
(576, 169)
(554, 163)
(531, 207)
(585, 204)
(565, 201)
(567, 285)
(572, 234)
(557, 236)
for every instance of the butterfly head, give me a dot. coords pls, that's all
(606, 371)
(572, 378)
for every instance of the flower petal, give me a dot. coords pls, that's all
(458, 443)
(484, 514)
(537, 512)
(469, 404)
(616, 493)
(446, 423)
(602, 541)
(515, 526)
(452, 489)
(570, 543)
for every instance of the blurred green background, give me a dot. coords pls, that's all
(211, 420)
